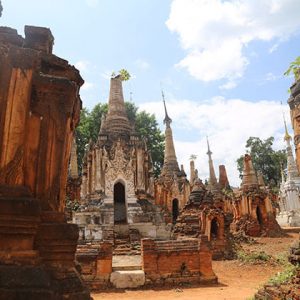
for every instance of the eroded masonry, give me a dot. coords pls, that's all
(129, 228)
(39, 109)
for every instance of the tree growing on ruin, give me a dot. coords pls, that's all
(265, 159)
(123, 73)
(145, 124)
(294, 68)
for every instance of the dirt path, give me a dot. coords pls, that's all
(237, 281)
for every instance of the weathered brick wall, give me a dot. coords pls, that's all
(95, 264)
(175, 261)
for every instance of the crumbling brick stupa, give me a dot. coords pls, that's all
(204, 215)
(117, 191)
(253, 212)
(39, 109)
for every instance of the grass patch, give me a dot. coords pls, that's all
(284, 276)
(253, 256)
(282, 258)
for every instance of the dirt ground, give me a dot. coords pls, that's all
(237, 281)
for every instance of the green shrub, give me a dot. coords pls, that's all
(253, 257)
(284, 276)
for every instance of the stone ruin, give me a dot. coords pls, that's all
(117, 191)
(172, 188)
(289, 194)
(253, 212)
(123, 210)
(39, 109)
(204, 215)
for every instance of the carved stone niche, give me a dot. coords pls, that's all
(39, 109)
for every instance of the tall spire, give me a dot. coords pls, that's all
(116, 120)
(212, 175)
(167, 119)
(170, 161)
(292, 170)
(287, 137)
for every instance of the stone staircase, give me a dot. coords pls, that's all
(126, 241)
(127, 272)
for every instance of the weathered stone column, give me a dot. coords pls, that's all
(39, 109)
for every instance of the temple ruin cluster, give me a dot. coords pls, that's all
(124, 205)
(122, 208)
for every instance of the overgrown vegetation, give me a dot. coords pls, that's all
(294, 69)
(284, 276)
(253, 257)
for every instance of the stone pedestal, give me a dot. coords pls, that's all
(288, 219)
(19, 220)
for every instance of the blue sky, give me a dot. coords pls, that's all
(220, 63)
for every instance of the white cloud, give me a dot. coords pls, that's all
(82, 66)
(92, 3)
(228, 85)
(87, 86)
(271, 77)
(215, 32)
(106, 74)
(273, 48)
(142, 64)
(228, 124)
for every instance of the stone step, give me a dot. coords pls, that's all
(126, 268)
(127, 279)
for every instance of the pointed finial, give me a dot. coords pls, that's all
(287, 137)
(208, 148)
(167, 119)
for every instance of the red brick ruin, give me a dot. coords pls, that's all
(176, 226)
(39, 109)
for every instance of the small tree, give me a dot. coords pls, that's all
(193, 157)
(294, 68)
(265, 159)
(123, 73)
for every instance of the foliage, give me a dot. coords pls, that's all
(294, 68)
(284, 276)
(88, 128)
(1, 8)
(253, 257)
(145, 124)
(124, 74)
(72, 205)
(265, 159)
(193, 157)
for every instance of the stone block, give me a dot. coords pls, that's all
(127, 279)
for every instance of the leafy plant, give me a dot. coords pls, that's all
(284, 276)
(294, 68)
(253, 257)
(193, 157)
